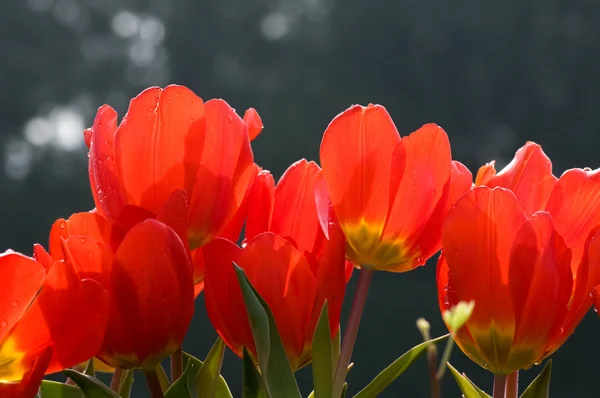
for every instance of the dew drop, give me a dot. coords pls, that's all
(14, 303)
(83, 240)
(62, 225)
(3, 323)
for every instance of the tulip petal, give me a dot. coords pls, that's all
(104, 178)
(485, 173)
(226, 171)
(253, 123)
(327, 217)
(223, 297)
(174, 213)
(199, 267)
(159, 144)
(575, 207)
(427, 170)
(282, 276)
(260, 204)
(29, 386)
(68, 315)
(295, 213)
(529, 176)
(477, 236)
(357, 153)
(233, 229)
(42, 256)
(540, 281)
(85, 224)
(430, 239)
(22, 279)
(152, 294)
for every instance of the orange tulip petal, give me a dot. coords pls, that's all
(42, 256)
(85, 224)
(226, 171)
(152, 295)
(356, 155)
(529, 176)
(427, 170)
(282, 276)
(575, 207)
(174, 213)
(29, 386)
(327, 217)
(476, 237)
(430, 239)
(22, 279)
(540, 281)
(295, 213)
(69, 315)
(223, 297)
(253, 123)
(596, 297)
(233, 229)
(104, 179)
(260, 204)
(159, 144)
(485, 173)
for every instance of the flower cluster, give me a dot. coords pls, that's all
(182, 209)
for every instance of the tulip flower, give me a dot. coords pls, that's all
(171, 140)
(527, 252)
(48, 321)
(147, 272)
(287, 259)
(390, 194)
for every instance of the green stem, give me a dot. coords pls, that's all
(153, 383)
(512, 385)
(445, 358)
(358, 305)
(176, 364)
(499, 386)
(115, 382)
(434, 381)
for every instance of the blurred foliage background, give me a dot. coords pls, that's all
(493, 74)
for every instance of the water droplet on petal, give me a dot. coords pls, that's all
(14, 303)
(62, 225)
(3, 323)
(83, 240)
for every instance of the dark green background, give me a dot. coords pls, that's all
(493, 74)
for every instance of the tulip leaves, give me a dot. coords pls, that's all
(322, 357)
(467, 387)
(276, 372)
(185, 386)
(58, 390)
(540, 386)
(91, 387)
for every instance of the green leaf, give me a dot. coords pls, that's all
(185, 386)
(89, 368)
(126, 383)
(395, 369)
(336, 347)
(540, 386)
(252, 386)
(162, 378)
(322, 357)
(274, 364)
(53, 389)
(206, 379)
(467, 387)
(91, 387)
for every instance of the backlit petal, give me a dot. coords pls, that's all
(253, 123)
(260, 204)
(29, 386)
(233, 229)
(42, 256)
(529, 176)
(159, 144)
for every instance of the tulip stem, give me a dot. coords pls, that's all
(115, 382)
(445, 358)
(499, 386)
(153, 383)
(358, 305)
(176, 364)
(512, 385)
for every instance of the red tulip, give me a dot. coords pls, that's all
(287, 259)
(48, 322)
(527, 253)
(389, 194)
(170, 140)
(147, 272)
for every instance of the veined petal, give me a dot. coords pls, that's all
(226, 171)
(327, 217)
(356, 155)
(233, 229)
(104, 179)
(282, 276)
(540, 282)
(260, 204)
(575, 207)
(295, 212)
(68, 315)
(22, 278)
(159, 144)
(476, 238)
(253, 123)
(529, 176)
(174, 213)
